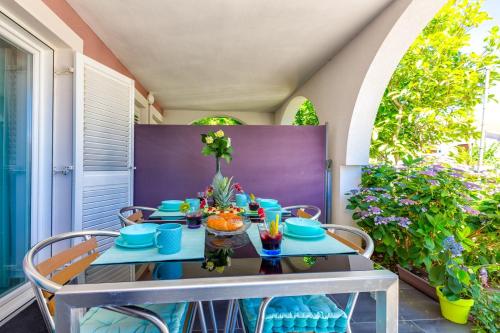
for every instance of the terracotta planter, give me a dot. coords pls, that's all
(417, 282)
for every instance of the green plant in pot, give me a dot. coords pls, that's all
(455, 283)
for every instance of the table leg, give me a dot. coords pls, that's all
(387, 309)
(67, 318)
(212, 314)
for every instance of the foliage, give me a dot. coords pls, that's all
(433, 92)
(414, 211)
(218, 145)
(457, 280)
(485, 312)
(470, 157)
(410, 210)
(217, 121)
(306, 115)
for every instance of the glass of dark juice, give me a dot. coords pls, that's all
(193, 218)
(253, 206)
(271, 242)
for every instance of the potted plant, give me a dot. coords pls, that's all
(456, 284)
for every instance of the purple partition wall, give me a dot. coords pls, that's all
(282, 162)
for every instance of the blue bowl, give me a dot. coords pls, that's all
(173, 205)
(268, 203)
(139, 234)
(301, 226)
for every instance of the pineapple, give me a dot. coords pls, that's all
(222, 191)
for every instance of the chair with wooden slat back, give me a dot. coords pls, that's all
(135, 215)
(50, 275)
(304, 211)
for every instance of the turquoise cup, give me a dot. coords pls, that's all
(194, 203)
(241, 200)
(168, 238)
(271, 214)
(268, 203)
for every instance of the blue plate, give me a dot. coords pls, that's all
(162, 209)
(121, 243)
(320, 234)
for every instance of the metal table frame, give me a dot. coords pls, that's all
(71, 299)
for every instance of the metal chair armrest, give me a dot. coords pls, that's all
(313, 217)
(141, 313)
(370, 246)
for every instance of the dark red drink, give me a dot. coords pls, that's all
(194, 220)
(271, 245)
(253, 206)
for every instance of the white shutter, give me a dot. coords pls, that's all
(103, 146)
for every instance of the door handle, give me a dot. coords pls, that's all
(65, 170)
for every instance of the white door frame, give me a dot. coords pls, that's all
(41, 143)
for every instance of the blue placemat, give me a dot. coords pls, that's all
(192, 247)
(296, 247)
(167, 216)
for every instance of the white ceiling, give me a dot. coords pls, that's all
(225, 55)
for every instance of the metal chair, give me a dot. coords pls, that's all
(135, 214)
(305, 211)
(50, 275)
(234, 308)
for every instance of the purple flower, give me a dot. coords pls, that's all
(370, 198)
(353, 192)
(472, 186)
(374, 210)
(471, 211)
(386, 195)
(407, 202)
(437, 167)
(381, 220)
(377, 189)
(423, 209)
(364, 214)
(404, 222)
(456, 175)
(433, 182)
(429, 172)
(453, 246)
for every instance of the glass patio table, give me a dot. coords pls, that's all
(244, 275)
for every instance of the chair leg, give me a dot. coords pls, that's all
(229, 315)
(241, 320)
(192, 317)
(349, 309)
(259, 327)
(203, 322)
(212, 315)
(234, 317)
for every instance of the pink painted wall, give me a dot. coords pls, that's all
(93, 46)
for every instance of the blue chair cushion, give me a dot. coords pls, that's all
(98, 320)
(312, 313)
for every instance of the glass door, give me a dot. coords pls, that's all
(16, 77)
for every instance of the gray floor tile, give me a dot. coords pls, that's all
(413, 305)
(404, 327)
(441, 326)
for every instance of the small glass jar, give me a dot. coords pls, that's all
(193, 218)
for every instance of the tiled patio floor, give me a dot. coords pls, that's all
(417, 313)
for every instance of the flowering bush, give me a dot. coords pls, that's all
(442, 220)
(410, 210)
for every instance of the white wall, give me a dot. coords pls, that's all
(185, 117)
(346, 92)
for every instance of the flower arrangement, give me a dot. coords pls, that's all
(217, 144)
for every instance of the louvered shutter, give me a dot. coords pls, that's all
(104, 111)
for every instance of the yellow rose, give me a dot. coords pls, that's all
(219, 134)
(209, 140)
